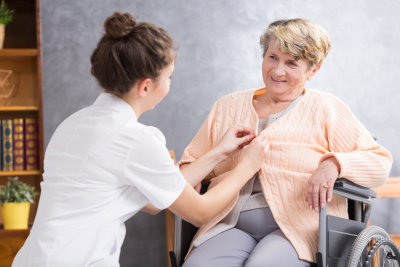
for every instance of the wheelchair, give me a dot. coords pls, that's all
(349, 242)
(342, 242)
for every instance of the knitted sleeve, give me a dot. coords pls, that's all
(362, 160)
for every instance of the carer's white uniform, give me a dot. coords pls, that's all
(101, 167)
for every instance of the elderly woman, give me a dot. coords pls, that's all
(314, 138)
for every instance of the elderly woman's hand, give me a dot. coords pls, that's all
(320, 185)
(233, 139)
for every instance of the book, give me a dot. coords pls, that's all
(1, 145)
(7, 145)
(31, 144)
(18, 144)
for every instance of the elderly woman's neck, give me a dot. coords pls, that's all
(281, 99)
(267, 103)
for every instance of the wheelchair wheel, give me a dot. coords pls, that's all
(373, 247)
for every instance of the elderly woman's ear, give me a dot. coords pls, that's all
(312, 73)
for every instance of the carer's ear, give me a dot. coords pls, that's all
(312, 73)
(145, 86)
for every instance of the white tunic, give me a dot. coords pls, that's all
(101, 167)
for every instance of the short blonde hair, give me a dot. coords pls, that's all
(300, 38)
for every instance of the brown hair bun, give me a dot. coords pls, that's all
(119, 25)
(130, 51)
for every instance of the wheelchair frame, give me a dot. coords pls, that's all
(336, 235)
(339, 237)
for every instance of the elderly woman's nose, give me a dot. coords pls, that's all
(279, 69)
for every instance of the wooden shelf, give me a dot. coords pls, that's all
(22, 54)
(20, 173)
(18, 108)
(18, 52)
(396, 239)
(390, 189)
(10, 242)
(23, 232)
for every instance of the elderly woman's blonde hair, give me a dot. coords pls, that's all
(300, 38)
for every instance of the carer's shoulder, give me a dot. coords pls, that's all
(142, 133)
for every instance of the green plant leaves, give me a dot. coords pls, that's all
(6, 14)
(17, 191)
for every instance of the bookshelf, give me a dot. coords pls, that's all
(27, 52)
(22, 54)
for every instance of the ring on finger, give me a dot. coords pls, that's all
(324, 186)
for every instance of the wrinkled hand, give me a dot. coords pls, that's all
(235, 138)
(255, 153)
(320, 185)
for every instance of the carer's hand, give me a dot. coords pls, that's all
(320, 185)
(235, 138)
(255, 153)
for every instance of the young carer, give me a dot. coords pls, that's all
(102, 166)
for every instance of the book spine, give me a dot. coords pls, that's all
(1, 144)
(19, 144)
(7, 145)
(31, 144)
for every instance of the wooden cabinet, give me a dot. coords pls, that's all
(390, 190)
(22, 55)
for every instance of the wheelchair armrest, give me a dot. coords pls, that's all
(346, 186)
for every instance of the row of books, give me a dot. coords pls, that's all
(19, 144)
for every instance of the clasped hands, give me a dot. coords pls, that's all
(234, 139)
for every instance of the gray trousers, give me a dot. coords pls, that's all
(256, 240)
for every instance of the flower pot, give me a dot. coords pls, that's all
(15, 215)
(2, 33)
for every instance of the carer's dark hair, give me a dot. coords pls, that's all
(129, 52)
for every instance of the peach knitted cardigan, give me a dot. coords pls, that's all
(318, 127)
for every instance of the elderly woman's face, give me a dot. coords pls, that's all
(283, 74)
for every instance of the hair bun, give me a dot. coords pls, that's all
(119, 25)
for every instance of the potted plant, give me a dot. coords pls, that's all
(15, 199)
(6, 16)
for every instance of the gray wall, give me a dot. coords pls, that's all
(219, 54)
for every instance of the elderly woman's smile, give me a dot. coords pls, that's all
(283, 74)
(278, 81)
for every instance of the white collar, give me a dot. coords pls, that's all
(111, 101)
